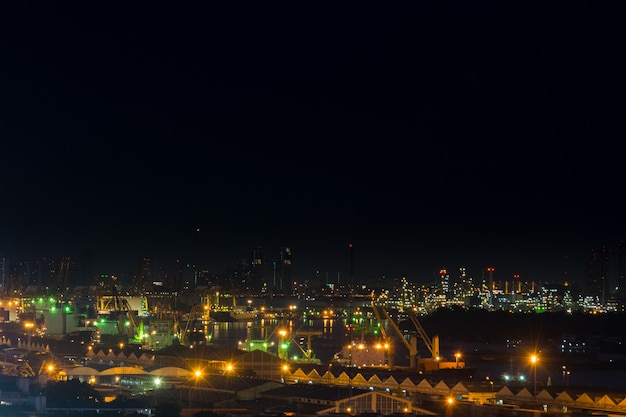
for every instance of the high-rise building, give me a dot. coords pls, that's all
(354, 283)
(284, 269)
(444, 283)
(257, 269)
(597, 275)
(621, 280)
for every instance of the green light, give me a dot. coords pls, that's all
(284, 346)
(53, 309)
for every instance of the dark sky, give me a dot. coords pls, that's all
(429, 134)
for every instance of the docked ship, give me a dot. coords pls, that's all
(224, 313)
(233, 314)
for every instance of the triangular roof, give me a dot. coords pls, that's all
(299, 373)
(328, 377)
(564, 398)
(584, 399)
(545, 396)
(424, 386)
(358, 379)
(459, 388)
(407, 384)
(343, 378)
(605, 401)
(505, 392)
(524, 394)
(375, 381)
(314, 375)
(391, 382)
(441, 387)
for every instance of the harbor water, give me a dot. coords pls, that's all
(332, 334)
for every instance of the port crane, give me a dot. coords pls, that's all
(308, 333)
(411, 346)
(431, 345)
(383, 331)
(114, 304)
(198, 312)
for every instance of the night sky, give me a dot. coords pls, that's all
(428, 134)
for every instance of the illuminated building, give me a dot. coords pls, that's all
(596, 284)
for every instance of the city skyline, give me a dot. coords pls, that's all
(607, 262)
(429, 136)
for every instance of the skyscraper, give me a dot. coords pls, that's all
(284, 272)
(621, 281)
(597, 275)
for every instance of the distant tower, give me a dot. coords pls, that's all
(195, 267)
(145, 274)
(490, 271)
(444, 282)
(257, 268)
(517, 285)
(596, 275)
(3, 269)
(352, 279)
(621, 281)
(284, 276)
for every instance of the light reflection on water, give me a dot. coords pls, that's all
(334, 336)
(330, 340)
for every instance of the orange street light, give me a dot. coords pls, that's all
(533, 360)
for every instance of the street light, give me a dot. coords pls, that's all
(450, 403)
(157, 383)
(283, 370)
(533, 361)
(457, 356)
(29, 332)
(282, 347)
(197, 374)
